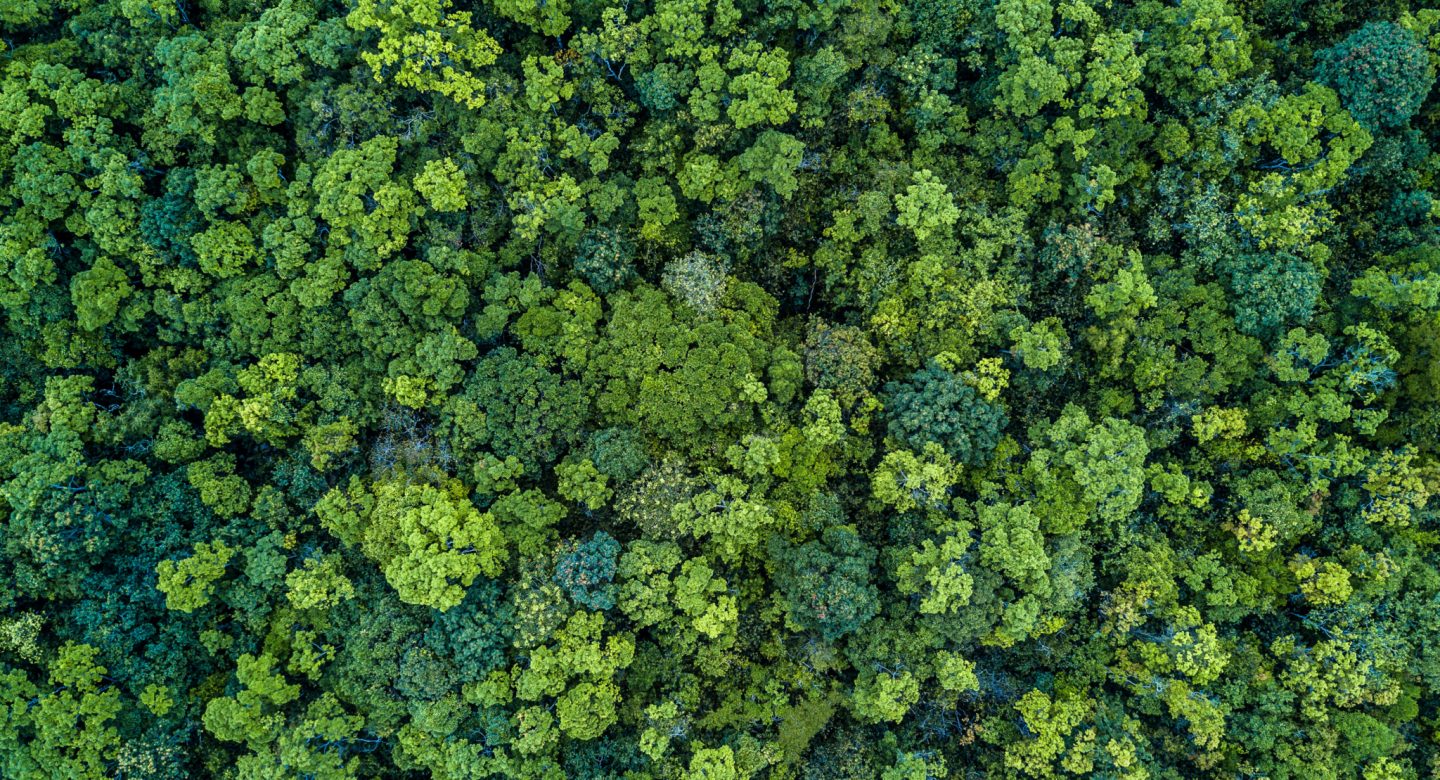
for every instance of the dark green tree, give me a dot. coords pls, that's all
(936, 405)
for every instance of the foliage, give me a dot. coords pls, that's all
(712, 389)
(585, 570)
(1382, 72)
(429, 541)
(826, 584)
(938, 406)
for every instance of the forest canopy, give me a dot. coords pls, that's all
(719, 389)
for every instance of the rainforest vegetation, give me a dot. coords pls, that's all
(719, 389)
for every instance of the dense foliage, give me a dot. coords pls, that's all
(717, 389)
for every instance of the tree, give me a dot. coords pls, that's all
(318, 584)
(1042, 345)
(926, 207)
(605, 259)
(268, 49)
(713, 764)
(772, 159)
(645, 574)
(98, 292)
(223, 491)
(324, 745)
(698, 280)
(529, 520)
(252, 715)
(442, 185)
(1050, 725)
(513, 406)
(67, 730)
(935, 573)
(755, 90)
(585, 570)
(189, 583)
(1316, 142)
(657, 207)
(1323, 583)
(704, 599)
(885, 696)
(912, 766)
(429, 540)
(426, 48)
(269, 409)
(1272, 292)
(577, 669)
(1105, 459)
(840, 358)
(583, 484)
(936, 405)
(675, 378)
(1200, 46)
(369, 214)
(733, 523)
(826, 583)
(1381, 71)
(906, 482)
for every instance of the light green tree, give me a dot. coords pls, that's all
(189, 583)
